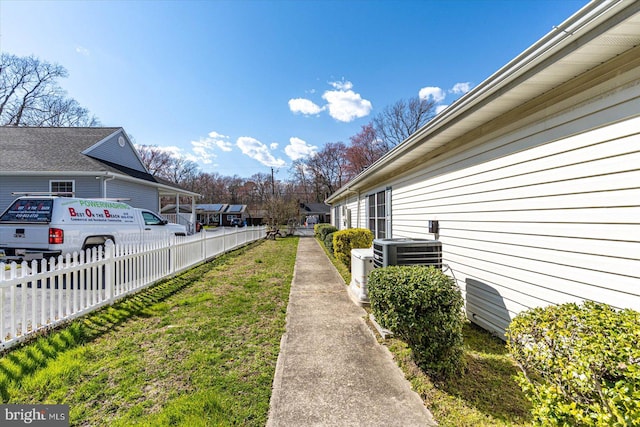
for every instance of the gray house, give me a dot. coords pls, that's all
(314, 213)
(531, 181)
(84, 162)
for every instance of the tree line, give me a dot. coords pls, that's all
(30, 95)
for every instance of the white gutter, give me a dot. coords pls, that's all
(560, 37)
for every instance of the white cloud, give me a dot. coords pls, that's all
(273, 145)
(200, 155)
(304, 106)
(203, 151)
(346, 105)
(204, 148)
(435, 93)
(298, 149)
(440, 108)
(83, 51)
(258, 151)
(343, 104)
(342, 85)
(461, 88)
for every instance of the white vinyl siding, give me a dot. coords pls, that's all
(110, 150)
(558, 222)
(355, 207)
(134, 194)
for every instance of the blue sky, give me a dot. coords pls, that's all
(244, 86)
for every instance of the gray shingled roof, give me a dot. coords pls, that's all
(51, 149)
(316, 207)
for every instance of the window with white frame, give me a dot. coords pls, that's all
(379, 213)
(65, 187)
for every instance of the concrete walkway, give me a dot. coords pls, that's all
(331, 371)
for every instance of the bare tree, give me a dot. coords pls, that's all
(164, 164)
(400, 120)
(30, 95)
(281, 206)
(365, 148)
(156, 160)
(328, 167)
(302, 181)
(61, 112)
(182, 171)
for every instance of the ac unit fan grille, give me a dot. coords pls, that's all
(407, 252)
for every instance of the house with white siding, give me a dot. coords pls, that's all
(97, 162)
(533, 176)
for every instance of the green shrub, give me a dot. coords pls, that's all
(422, 306)
(345, 240)
(328, 242)
(580, 364)
(321, 230)
(317, 227)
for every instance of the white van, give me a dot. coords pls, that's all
(41, 227)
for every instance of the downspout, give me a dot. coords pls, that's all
(358, 209)
(193, 210)
(178, 208)
(104, 184)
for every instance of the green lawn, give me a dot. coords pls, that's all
(199, 349)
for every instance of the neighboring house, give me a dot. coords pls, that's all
(314, 213)
(84, 162)
(533, 176)
(212, 213)
(233, 212)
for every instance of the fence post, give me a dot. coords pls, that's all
(172, 254)
(224, 240)
(109, 269)
(203, 240)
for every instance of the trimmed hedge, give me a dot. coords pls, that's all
(580, 364)
(320, 231)
(423, 307)
(328, 242)
(352, 238)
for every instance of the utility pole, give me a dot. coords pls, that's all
(273, 183)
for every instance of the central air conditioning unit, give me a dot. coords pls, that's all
(407, 252)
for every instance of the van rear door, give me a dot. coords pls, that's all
(25, 224)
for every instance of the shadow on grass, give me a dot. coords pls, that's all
(35, 353)
(484, 394)
(487, 383)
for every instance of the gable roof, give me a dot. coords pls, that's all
(601, 34)
(315, 207)
(42, 150)
(51, 149)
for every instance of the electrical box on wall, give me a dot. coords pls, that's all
(434, 227)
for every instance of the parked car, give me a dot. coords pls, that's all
(237, 222)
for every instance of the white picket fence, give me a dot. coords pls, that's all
(74, 285)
